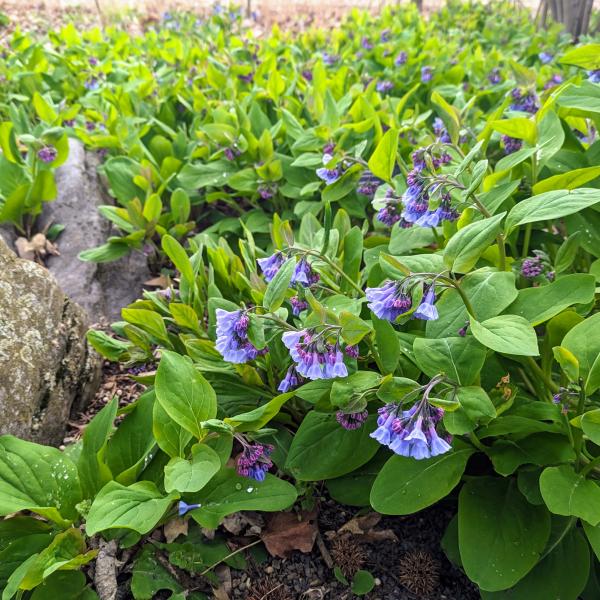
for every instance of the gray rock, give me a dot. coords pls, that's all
(46, 368)
(101, 289)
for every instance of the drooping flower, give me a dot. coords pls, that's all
(315, 358)
(91, 83)
(427, 311)
(329, 176)
(351, 351)
(391, 211)
(366, 43)
(511, 144)
(389, 301)
(545, 57)
(494, 76)
(184, 507)
(385, 35)
(524, 100)
(266, 190)
(594, 76)
(303, 273)
(232, 337)
(351, 421)
(368, 183)
(440, 131)
(298, 305)
(555, 80)
(385, 86)
(307, 74)
(255, 461)
(47, 154)
(93, 61)
(271, 265)
(426, 74)
(411, 433)
(401, 59)
(291, 380)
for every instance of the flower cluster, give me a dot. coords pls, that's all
(315, 357)
(304, 274)
(232, 152)
(555, 80)
(291, 380)
(416, 196)
(440, 131)
(255, 461)
(391, 211)
(524, 100)
(393, 299)
(47, 154)
(384, 87)
(353, 420)
(368, 183)
(511, 144)
(594, 76)
(298, 305)
(545, 57)
(411, 433)
(426, 74)
(232, 337)
(537, 265)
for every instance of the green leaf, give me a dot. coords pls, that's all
(586, 57)
(37, 478)
(388, 344)
(538, 449)
(568, 493)
(175, 251)
(405, 485)
(563, 573)
(362, 583)
(551, 206)
(500, 535)
(567, 181)
(120, 171)
(66, 585)
(567, 361)
(469, 243)
(475, 407)
(256, 419)
(460, 358)
(489, 293)
(519, 127)
(138, 507)
(170, 436)
(128, 449)
(321, 449)
(583, 341)
(105, 253)
(278, 286)
(93, 470)
(150, 576)
(183, 392)
(383, 160)
(192, 475)
(353, 329)
(228, 493)
(539, 304)
(509, 334)
(148, 320)
(105, 345)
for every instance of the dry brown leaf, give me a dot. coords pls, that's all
(220, 594)
(286, 532)
(24, 249)
(174, 528)
(364, 526)
(161, 282)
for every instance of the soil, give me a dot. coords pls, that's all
(402, 553)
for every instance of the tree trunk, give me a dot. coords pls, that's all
(573, 14)
(419, 4)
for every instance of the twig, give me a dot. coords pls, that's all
(323, 550)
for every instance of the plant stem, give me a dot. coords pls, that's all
(550, 385)
(526, 240)
(337, 269)
(475, 441)
(591, 465)
(579, 434)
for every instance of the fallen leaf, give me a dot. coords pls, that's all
(161, 282)
(174, 528)
(24, 249)
(364, 526)
(286, 532)
(220, 594)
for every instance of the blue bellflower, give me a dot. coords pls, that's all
(427, 310)
(271, 265)
(389, 301)
(232, 337)
(314, 358)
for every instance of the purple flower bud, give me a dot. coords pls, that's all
(291, 380)
(545, 57)
(298, 305)
(385, 86)
(400, 59)
(255, 461)
(426, 74)
(532, 267)
(494, 76)
(351, 351)
(351, 421)
(47, 154)
(511, 144)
